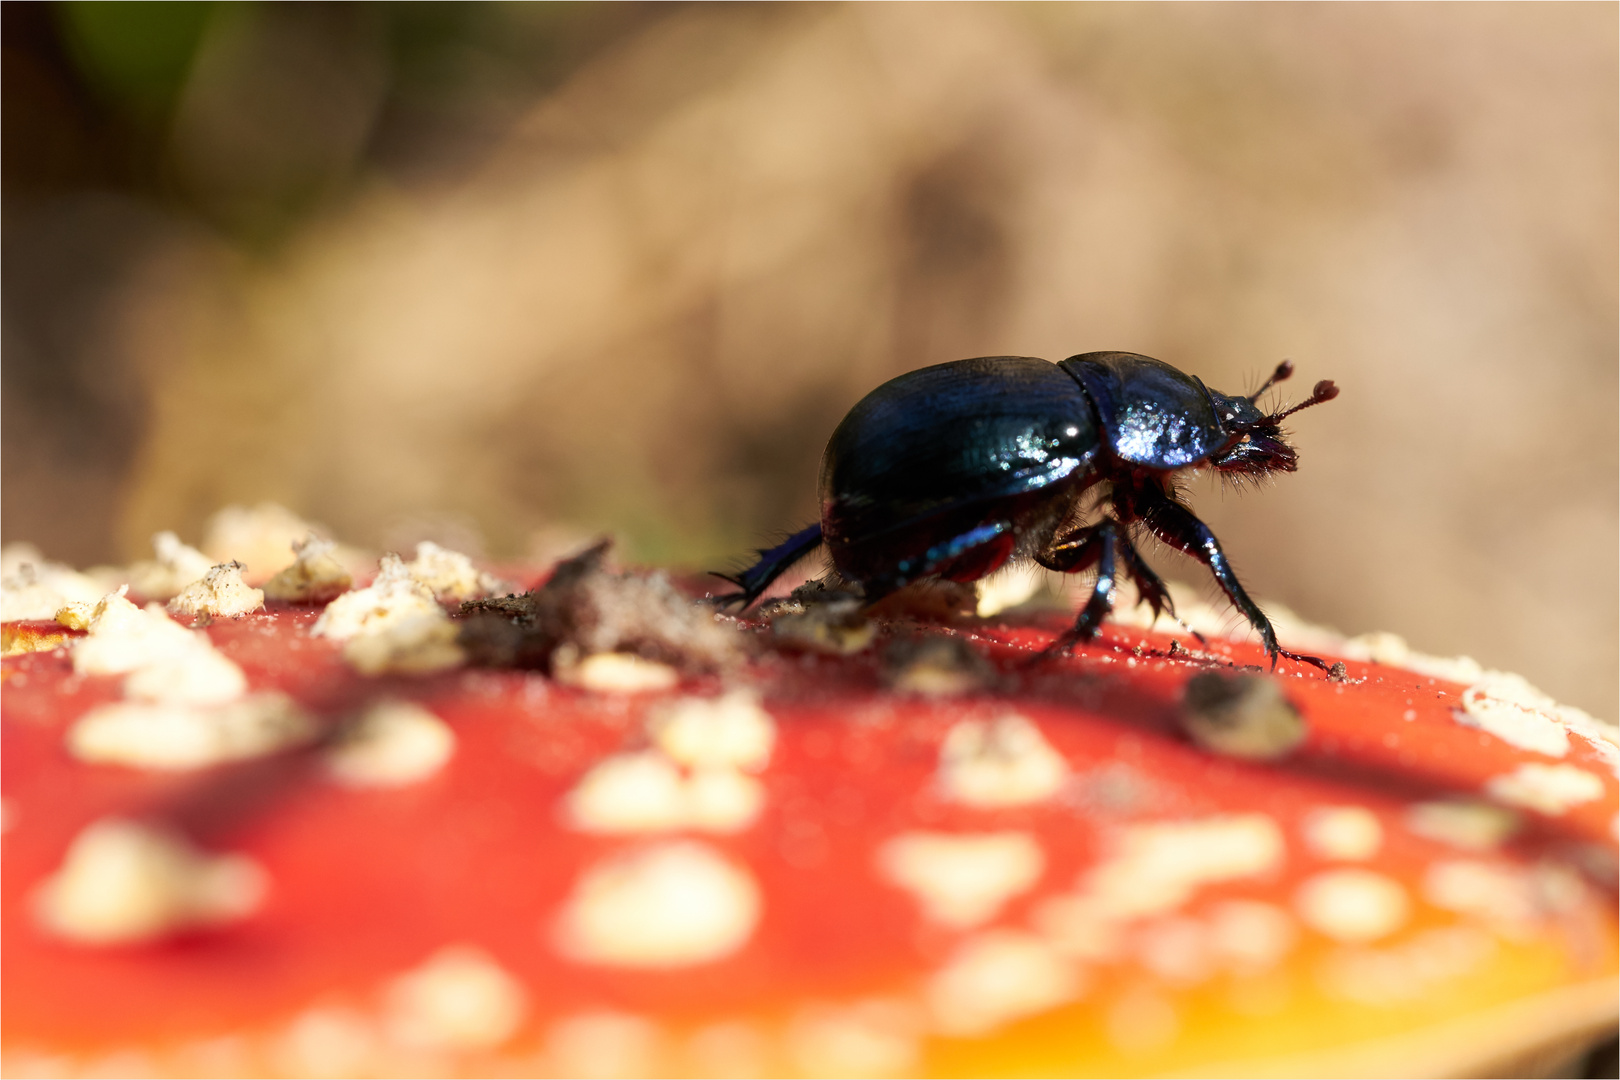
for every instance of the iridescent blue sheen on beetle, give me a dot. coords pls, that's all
(951, 471)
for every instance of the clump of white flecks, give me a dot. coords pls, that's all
(735, 1047)
(258, 536)
(1250, 936)
(220, 592)
(670, 905)
(393, 625)
(180, 735)
(177, 565)
(1514, 901)
(962, 880)
(732, 731)
(124, 882)
(1352, 905)
(314, 577)
(998, 976)
(1546, 789)
(1350, 833)
(458, 999)
(452, 575)
(647, 792)
(392, 744)
(612, 672)
(1470, 825)
(392, 596)
(1500, 703)
(695, 776)
(33, 589)
(322, 1040)
(185, 705)
(1499, 893)
(1154, 869)
(1508, 707)
(1003, 762)
(123, 637)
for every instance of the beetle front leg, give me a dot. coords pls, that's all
(1094, 544)
(1177, 526)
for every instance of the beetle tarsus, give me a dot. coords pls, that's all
(1316, 662)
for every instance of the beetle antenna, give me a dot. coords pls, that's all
(1284, 369)
(1322, 391)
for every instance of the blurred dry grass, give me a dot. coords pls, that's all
(642, 297)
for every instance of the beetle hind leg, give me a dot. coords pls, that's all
(773, 562)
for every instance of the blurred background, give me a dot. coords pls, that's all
(493, 274)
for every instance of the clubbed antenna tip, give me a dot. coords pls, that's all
(1284, 370)
(1326, 390)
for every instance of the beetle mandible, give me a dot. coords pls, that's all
(952, 471)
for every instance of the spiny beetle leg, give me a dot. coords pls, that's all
(773, 562)
(1149, 586)
(1103, 540)
(1178, 527)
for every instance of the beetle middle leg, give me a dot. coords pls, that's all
(1081, 549)
(1093, 545)
(1149, 586)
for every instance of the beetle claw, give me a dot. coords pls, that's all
(1314, 661)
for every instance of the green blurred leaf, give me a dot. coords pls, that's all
(137, 53)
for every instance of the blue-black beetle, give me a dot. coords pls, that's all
(951, 471)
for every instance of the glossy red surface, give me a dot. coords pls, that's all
(364, 884)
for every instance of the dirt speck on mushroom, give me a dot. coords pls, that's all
(1240, 715)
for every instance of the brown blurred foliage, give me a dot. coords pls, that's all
(625, 267)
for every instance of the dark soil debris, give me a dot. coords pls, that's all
(593, 609)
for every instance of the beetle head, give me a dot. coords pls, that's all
(1258, 445)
